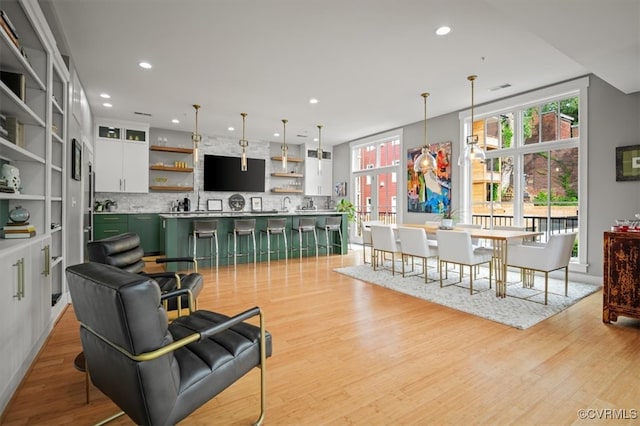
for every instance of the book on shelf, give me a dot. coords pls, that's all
(16, 227)
(16, 235)
(9, 28)
(15, 131)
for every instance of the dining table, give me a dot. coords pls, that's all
(500, 239)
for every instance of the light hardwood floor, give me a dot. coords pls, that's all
(347, 352)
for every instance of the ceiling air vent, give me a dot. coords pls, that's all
(146, 114)
(500, 87)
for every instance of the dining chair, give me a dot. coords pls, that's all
(365, 229)
(456, 247)
(384, 241)
(414, 243)
(543, 257)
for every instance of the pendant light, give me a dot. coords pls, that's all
(472, 151)
(244, 144)
(285, 148)
(319, 152)
(196, 137)
(425, 162)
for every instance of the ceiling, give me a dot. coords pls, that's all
(366, 61)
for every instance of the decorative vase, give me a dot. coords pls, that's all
(19, 215)
(12, 175)
(447, 223)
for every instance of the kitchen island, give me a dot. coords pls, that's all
(178, 226)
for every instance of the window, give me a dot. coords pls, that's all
(531, 176)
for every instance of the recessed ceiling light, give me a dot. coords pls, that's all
(231, 129)
(107, 104)
(105, 95)
(443, 30)
(145, 65)
(175, 121)
(313, 101)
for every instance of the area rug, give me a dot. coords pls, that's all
(522, 308)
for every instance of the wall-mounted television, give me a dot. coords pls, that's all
(223, 174)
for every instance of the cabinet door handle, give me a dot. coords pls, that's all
(19, 292)
(47, 260)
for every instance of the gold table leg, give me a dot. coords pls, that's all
(500, 266)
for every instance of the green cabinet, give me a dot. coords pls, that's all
(147, 225)
(108, 225)
(149, 228)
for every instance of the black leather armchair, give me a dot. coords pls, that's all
(125, 252)
(158, 373)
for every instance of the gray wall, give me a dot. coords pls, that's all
(614, 120)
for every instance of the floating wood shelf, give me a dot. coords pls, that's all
(287, 190)
(289, 175)
(171, 149)
(171, 188)
(289, 159)
(172, 169)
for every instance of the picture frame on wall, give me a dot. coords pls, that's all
(76, 160)
(628, 163)
(214, 205)
(256, 204)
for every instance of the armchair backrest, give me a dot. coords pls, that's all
(558, 250)
(118, 309)
(455, 246)
(122, 251)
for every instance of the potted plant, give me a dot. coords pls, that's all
(448, 215)
(347, 207)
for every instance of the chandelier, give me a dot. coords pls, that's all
(196, 137)
(244, 144)
(284, 147)
(425, 162)
(472, 151)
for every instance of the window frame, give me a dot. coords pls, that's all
(516, 104)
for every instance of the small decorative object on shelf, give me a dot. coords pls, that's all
(19, 215)
(12, 175)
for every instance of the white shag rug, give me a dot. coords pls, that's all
(522, 308)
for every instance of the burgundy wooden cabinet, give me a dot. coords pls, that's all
(621, 286)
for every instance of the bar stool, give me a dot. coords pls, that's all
(306, 225)
(331, 225)
(205, 229)
(242, 228)
(274, 227)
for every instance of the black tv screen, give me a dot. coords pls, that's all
(223, 174)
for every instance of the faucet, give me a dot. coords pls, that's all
(284, 201)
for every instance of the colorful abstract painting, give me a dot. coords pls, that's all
(429, 183)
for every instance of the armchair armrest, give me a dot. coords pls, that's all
(175, 259)
(177, 293)
(194, 337)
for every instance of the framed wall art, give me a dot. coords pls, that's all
(256, 204)
(628, 163)
(214, 205)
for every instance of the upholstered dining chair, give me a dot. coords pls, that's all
(457, 247)
(125, 252)
(543, 257)
(384, 241)
(414, 243)
(365, 229)
(158, 372)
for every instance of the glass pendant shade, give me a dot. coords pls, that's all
(196, 138)
(319, 151)
(285, 148)
(472, 152)
(425, 161)
(243, 144)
